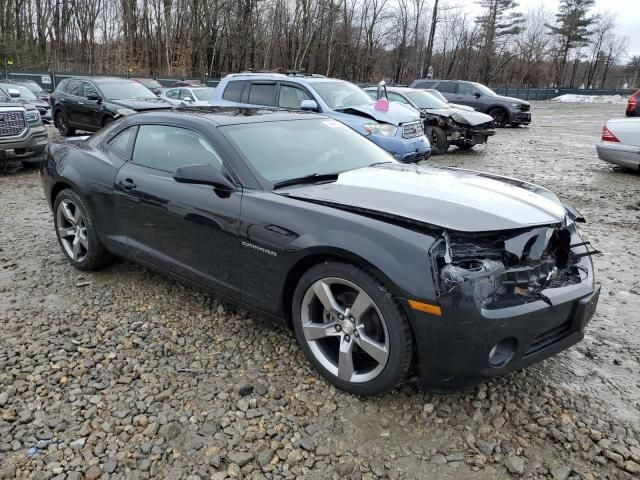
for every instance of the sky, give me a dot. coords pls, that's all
(627, 11)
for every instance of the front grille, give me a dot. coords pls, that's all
(524, 107)
(549, 337)
(412, 130)
(11, 124)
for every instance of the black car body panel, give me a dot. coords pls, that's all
(251, 245)
(470, 94)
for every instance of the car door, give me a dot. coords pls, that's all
(92, 108)
(468, 94)
(187, 229)
(74, 103)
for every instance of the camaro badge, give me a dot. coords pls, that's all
(259, 249)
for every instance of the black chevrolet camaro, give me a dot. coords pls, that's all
(379, 267)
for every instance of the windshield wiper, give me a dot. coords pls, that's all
(312, 178)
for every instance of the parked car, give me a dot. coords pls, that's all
(633, 105)
(620, 143)
(376, 265)
(444, 125)
(22, 135)
(37, 90)
(397, 129)
(22, 94)
(186, 83)
(188, 96)
(442, 98)
(152, 84)
(91, 103)
(504, 110)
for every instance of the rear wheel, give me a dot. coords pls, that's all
(439, 140)
(351, 329)
(76, 232)
(62, 124)
(500, 116)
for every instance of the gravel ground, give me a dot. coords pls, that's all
(125, 374)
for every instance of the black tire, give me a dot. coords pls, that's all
(500, 116)
(107, 120)
(62, 124)
(439, 140)
(93, 255)
(392, 328)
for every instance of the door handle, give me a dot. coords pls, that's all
(127, 184)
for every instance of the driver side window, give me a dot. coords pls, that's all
(291, 97)
(166, 148)
(467, 89)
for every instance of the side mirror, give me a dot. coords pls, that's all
(203, 174)
(477, 94)
(310, 105)
(94, 97)
(13, 92)
(187, 99)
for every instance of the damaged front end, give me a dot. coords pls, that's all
(507, 269)
(460, 131)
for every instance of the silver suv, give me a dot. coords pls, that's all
(22, 135)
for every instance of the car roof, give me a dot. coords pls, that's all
(396, 89)
(294, 78)
(223, 116)
(101, 79)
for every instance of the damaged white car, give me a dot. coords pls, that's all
(444, 125)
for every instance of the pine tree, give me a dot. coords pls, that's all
(498, 20)
(572, 27)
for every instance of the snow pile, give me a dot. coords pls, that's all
(571, 98)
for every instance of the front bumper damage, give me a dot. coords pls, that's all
(508, 300)
(459, 132)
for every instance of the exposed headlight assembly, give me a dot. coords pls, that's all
(125, 111)
(383, 129)
(33, 117)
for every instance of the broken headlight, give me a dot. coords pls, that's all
(481, 278)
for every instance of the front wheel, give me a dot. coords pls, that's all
(351, 329)
(500, 116)
(439, 140)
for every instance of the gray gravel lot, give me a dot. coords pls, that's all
(125, 374)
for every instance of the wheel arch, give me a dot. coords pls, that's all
(317, 256)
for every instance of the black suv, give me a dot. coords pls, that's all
(91, 103)
(504, 110)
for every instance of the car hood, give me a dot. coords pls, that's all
(396, 115)
(139, 105)
(466, 108)
(35, 103)
(449, 198)
(470, 118)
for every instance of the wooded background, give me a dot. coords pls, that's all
(360, 40)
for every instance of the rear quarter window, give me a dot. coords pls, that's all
(233, 90)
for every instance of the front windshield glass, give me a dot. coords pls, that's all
(485, 90)
(425, 100)
(437, 94)
(122, 90)
(34, 87)
(150, 83)
(24, 91)
(202, 94)
(339, 94)
(321, 146)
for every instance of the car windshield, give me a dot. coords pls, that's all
(425, 100)
(24, 91)
(122, 90)
(322, 146)
(485, 90)
(150, 83)
(437, 94)
(339, 94)
(202, 94)
(34, 87)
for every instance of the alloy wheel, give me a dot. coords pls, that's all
(61, 124)
(345, 330)
(72, 230)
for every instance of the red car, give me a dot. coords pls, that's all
(633, 106)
